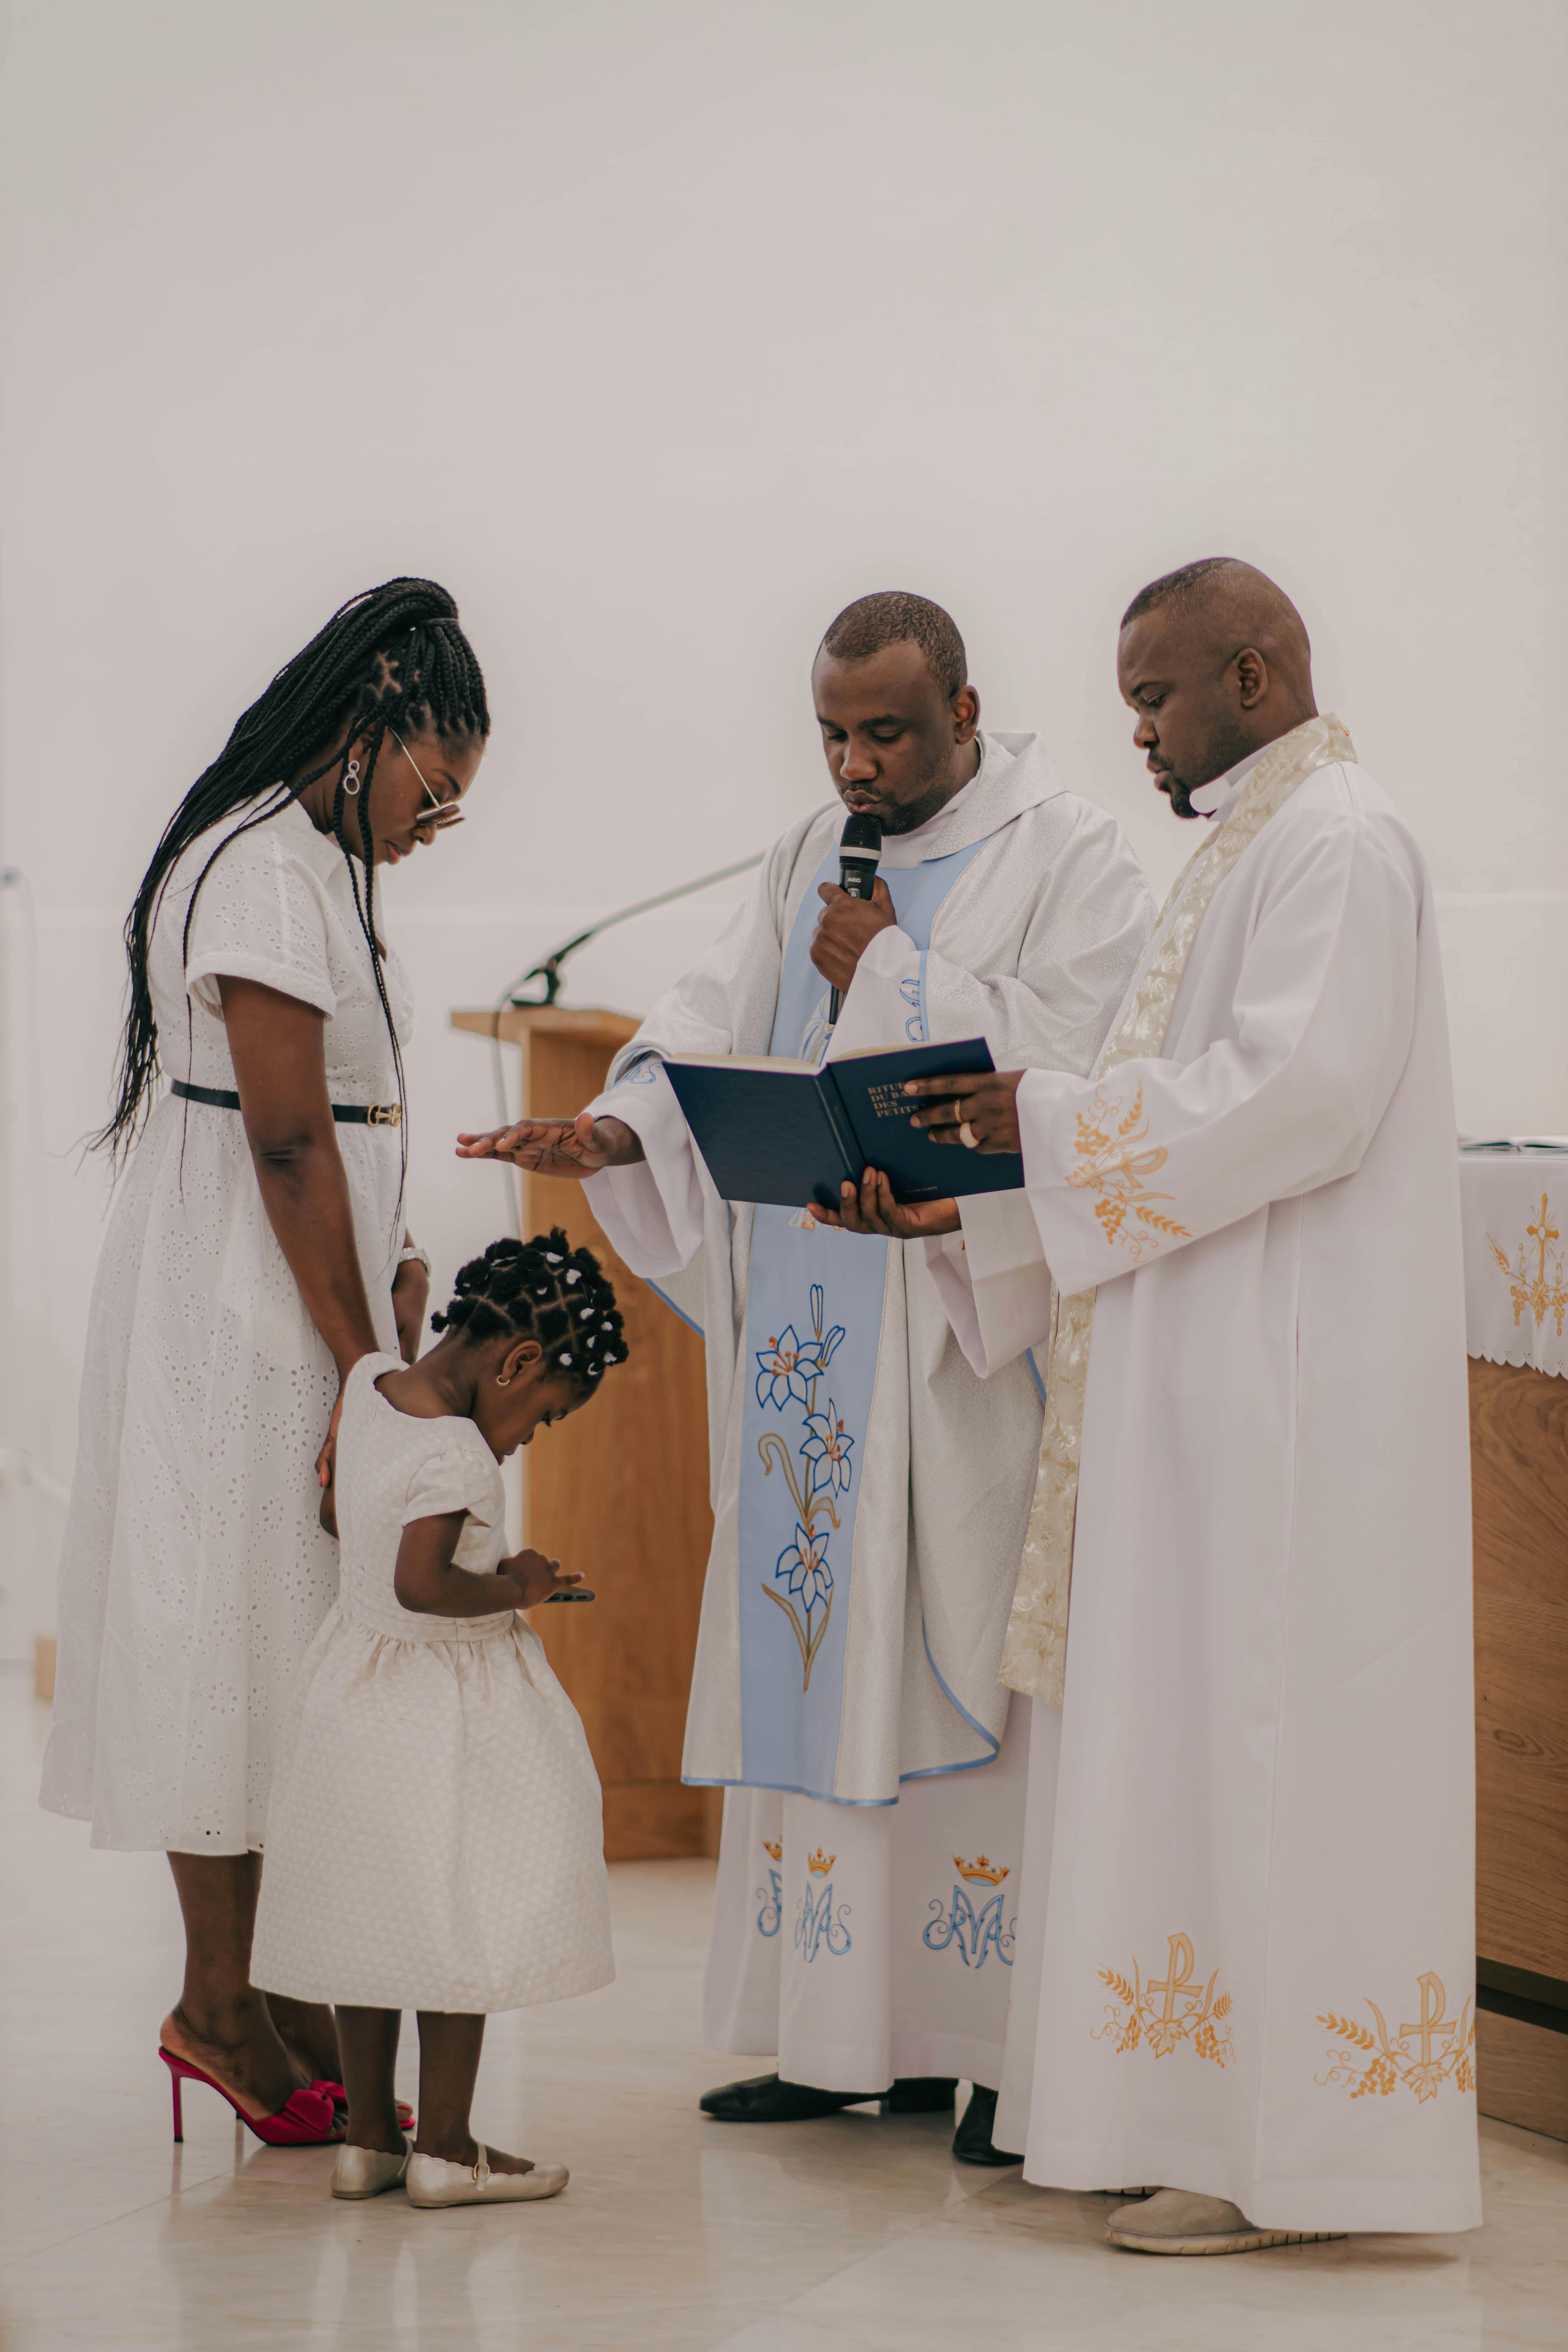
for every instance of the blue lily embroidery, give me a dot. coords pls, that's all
(828, 1450)
(789, 1371)
(805, 1563)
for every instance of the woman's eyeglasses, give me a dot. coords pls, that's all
(442, 814)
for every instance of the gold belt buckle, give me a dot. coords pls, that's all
(384, 1115)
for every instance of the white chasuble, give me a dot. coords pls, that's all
(871, 1496)
(1246, 1944)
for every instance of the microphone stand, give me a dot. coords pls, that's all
(548, 972)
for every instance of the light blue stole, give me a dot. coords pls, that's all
(813, 1322)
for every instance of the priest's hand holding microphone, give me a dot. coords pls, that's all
(855, 908)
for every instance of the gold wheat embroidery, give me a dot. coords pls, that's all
(1187, 2009)
(1544, 1292)
(1113, 1165)
(1433, 2050)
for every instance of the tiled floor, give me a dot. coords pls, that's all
(858, 2235)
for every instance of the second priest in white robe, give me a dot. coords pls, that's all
(871, 1495)
(1247, 1960)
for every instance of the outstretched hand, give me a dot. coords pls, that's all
(557, 1147)
(872, 1209)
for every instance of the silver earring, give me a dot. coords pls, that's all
(503, 1379)
(351, 780)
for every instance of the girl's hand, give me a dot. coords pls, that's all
(873, 1209)
(326, 1460)
(538, 1578)
(557, 1147)
(410, 1297)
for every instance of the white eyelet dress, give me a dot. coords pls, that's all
(434, 1839)
(195, 1572)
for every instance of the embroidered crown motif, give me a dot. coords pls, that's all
(776, 1851)
(820, 1862)
(981, 1870)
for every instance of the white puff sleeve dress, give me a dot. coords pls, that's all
(195, 1572)
(436, 1838)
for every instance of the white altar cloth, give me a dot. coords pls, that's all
(1515, 1207)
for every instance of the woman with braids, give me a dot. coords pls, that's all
(434, 1840)
(252, 1259)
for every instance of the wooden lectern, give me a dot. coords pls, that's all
(1519, 1464)
(619, 1490)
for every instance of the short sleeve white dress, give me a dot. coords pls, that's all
(434, 1839)
(194, 1573)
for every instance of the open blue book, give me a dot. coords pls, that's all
(788, 1132)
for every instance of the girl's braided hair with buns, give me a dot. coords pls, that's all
(545, 1290)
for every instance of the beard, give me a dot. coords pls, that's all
(1179, 793)
(933, 790)
(1224, 747)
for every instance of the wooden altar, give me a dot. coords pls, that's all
(621, 1490)
(1519, 1458)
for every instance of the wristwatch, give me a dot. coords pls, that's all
(412, 1255)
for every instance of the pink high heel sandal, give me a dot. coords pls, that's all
(306, 2118)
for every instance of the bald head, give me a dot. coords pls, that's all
(1215, 661)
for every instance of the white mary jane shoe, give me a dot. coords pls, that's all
(1178, 2221)
(367, 2171)
(432, 2181)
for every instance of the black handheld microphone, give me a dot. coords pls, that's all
(860, 854)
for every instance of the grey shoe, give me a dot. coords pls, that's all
(367, 2171)
(1178, 2221)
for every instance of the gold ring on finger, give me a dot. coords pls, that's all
(967, 1136)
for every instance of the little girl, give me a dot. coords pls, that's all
(434, 1840)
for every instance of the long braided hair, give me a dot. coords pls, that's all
(393, 657)
(544, 1290)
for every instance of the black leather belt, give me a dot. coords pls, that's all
(345, 1114)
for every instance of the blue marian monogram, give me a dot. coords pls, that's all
(976, 1933)
(791, 1373)
(817, 1924)
(771, 1896)
(914, 1027)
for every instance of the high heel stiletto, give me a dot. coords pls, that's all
(305, 2120)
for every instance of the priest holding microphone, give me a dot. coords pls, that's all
(872, 1494)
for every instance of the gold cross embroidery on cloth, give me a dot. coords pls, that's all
(1186, 2011)
(1433, 2049)
(1542, 1293)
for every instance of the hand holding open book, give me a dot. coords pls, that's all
(798, 1134)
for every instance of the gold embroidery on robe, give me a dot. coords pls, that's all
(1034, 1655)
(1540, 1294)
(1186, 2008)
(1114, 1167)
(1433, 2050)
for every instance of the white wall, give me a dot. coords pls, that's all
(660, 331)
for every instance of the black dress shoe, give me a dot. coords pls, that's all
(768, 2099)
(765, 2099)
(921, 2094)
(972, 2142)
